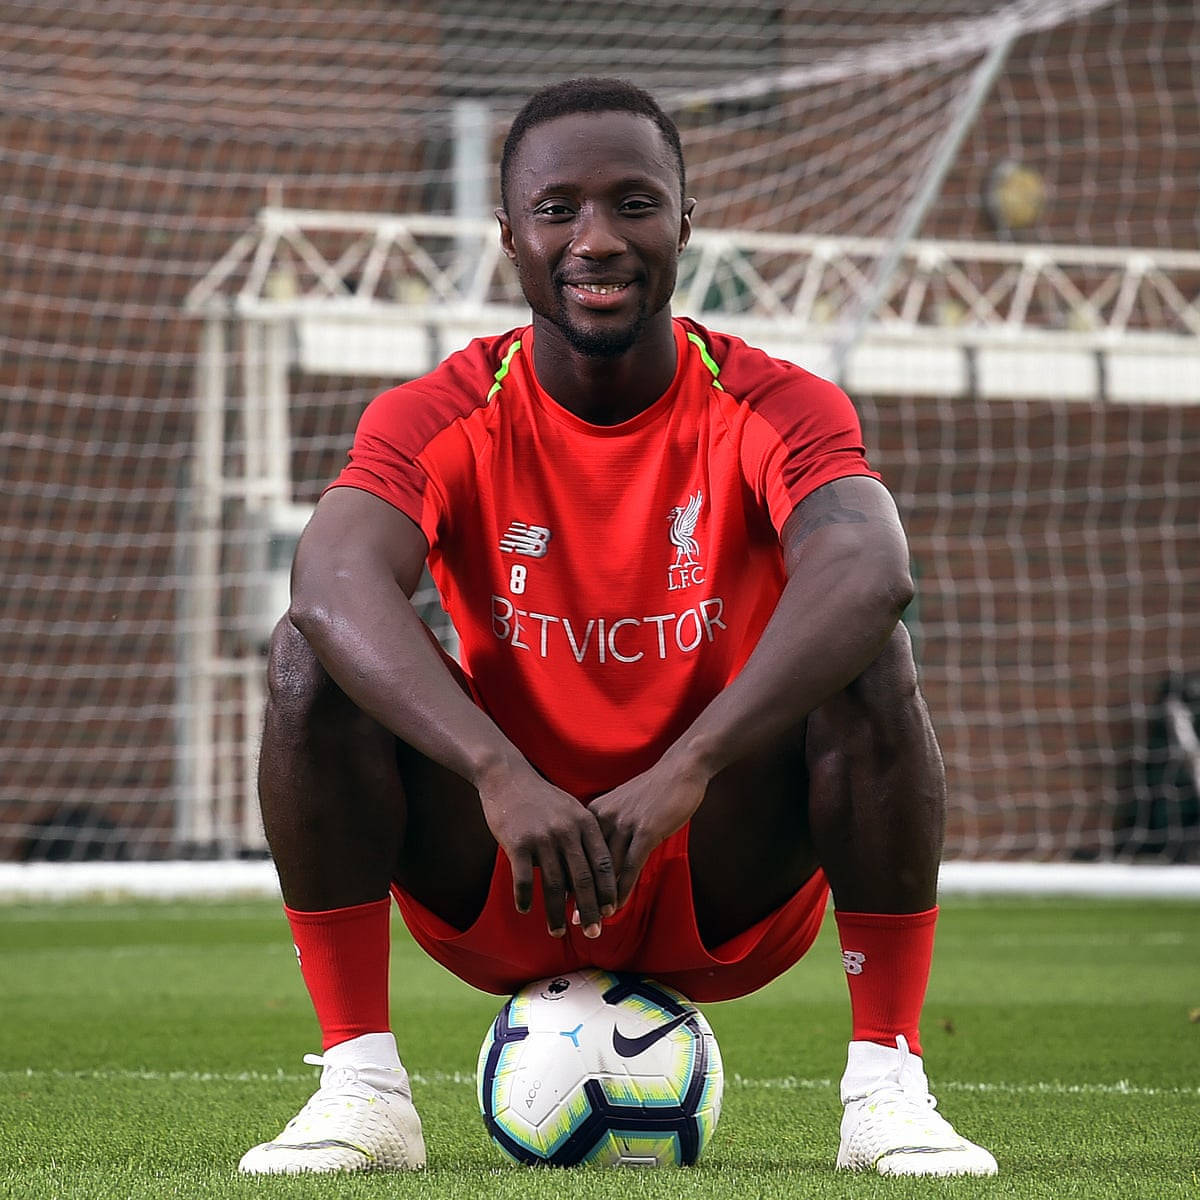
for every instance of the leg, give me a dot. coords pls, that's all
(877, 800)
(877, 806)
(861, 791)
(750, 846)
(346, 811)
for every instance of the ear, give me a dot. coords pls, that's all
(685, 222)
(506, 235)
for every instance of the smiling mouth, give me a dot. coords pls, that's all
(600, 289)
(600, 297)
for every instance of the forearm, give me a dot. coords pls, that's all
(826, 629)
(363, 628)
(358, 562)
(846, 558)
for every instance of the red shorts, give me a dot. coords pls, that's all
(655, 934)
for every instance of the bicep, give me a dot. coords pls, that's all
(353, 531)
(847, 515)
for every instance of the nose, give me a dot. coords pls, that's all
(595, 236)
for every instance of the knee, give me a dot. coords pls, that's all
(302, 699)
(296, 680)
(878, 713)
(889, 685)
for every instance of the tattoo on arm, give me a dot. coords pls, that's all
(824, 507)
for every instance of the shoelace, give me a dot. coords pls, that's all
(918, 1106)
(895, 1103)
(338, 1084)
(342, 1079)
(335, 1076)
(895, 1078)
(895, 1097)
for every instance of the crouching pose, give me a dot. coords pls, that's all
(686, 710)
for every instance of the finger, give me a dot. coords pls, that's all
(554, 893)
(604, 870)
(618, 846)
(631, 868)
(594, 881)
(583, 884)
(522, 873)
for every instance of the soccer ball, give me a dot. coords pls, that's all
(601, 1068)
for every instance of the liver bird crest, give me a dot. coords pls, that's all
(683, 524)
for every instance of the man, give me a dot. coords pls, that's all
(686, 707)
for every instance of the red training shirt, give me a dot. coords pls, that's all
(605, 581)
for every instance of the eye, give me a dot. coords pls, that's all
(636, 205)
(552, 208)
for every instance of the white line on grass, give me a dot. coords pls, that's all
(110, 912)
(1122, 1087)
(1057, 1088)
(154, 950)
(1089, 940)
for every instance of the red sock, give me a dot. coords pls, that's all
(343, 955)
(887, 957)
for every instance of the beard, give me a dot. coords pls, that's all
(601, 343)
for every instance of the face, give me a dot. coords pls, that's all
(595, 227)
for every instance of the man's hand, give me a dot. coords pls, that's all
(538, 825)
(641, 813)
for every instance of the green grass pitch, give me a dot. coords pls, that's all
(144, 1047)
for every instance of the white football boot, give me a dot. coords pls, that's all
(891, 1123)
(361, 1118)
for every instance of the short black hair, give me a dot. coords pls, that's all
(587, 95)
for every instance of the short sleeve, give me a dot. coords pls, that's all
(392, 454)
(385, 456)
(800, 431)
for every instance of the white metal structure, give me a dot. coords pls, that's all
(390, 296)
(371, 294)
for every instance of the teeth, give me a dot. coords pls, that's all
(600, 289)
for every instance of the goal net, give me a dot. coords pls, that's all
(226, 227)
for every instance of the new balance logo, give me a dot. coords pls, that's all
(853, 961)
(530, 540)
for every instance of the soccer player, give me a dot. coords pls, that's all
(686, 708)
